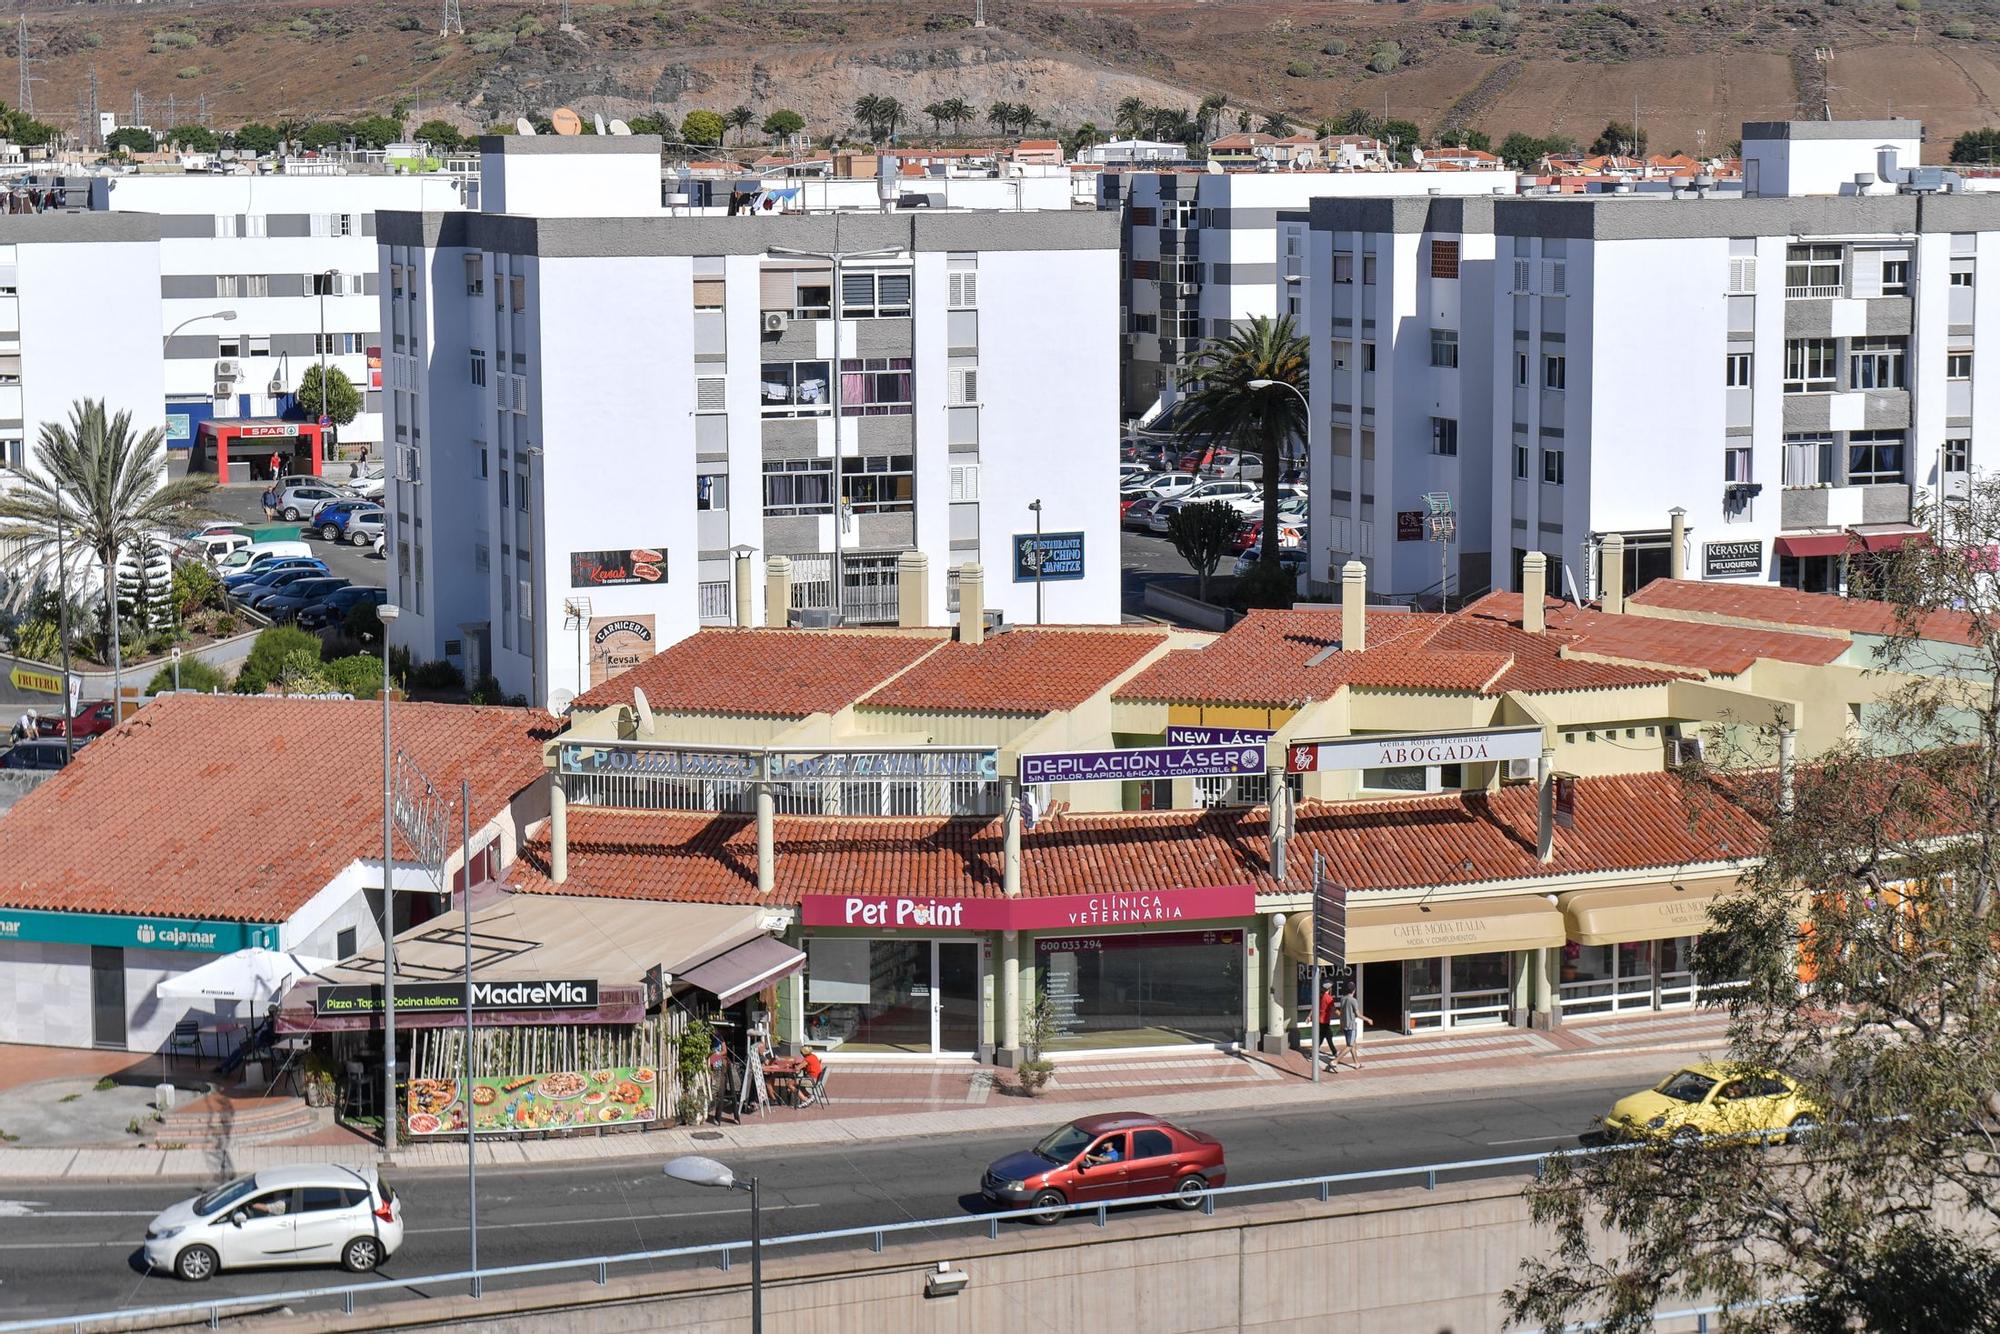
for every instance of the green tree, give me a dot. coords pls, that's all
(98, 484)
(1245, 391)
(255, 138)
(958, 111)
(1865, 938)
(1618, 137)
(651, 125)
(1086, 135)
(323, 134)
(739, 118)
(1000, 115)
(782, 124)
(194, 138)
(936, 111)
(357, 674)
(195, 675)
(363, 624)
(341, 401)
(1203, 534)
(867, 110)
(1403, 135)
(892, 114)
(1208, 115)
(1277, 123)
(1130, 116)
(131, 139)
(195, 590)
(1976, 146)
(376, 131)
(439, 134)
(702, 127)
(1458, 136)
(269, 655)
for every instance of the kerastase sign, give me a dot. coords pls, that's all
(1139, 907)
(1402, 749)
(1143, 762)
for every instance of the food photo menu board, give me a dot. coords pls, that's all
(564, 1100)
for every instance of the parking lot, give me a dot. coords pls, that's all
(357, 565)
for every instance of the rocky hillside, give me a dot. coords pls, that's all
(1696, 69)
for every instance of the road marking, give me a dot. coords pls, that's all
(1531, 1139)
(24, 1208)
(604, 1219)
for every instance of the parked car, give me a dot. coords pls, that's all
(296, 502)
(332, 519)
(287, 602)
(213, 527)
(256, 595)
(41, 753)
(1290, 535)
(213, 547)
(93, 719)
(259, 554)
(370, 485)
(1291, 558)
(1131, 468)
(365, 527)
(333, 608)
(1103, 1159)
(1139, 514)
(1172, 483)
(1221, 489)
(1714, 1099)
(235, 581)
(347, 1216)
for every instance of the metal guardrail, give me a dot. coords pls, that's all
(599, 1266)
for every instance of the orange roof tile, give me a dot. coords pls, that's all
(776, 673)
(1721, 650)
(1022, 671)
(1768, 604)
(241, 808)
(1631, 823)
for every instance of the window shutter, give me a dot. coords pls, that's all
(1556, 272)
(709, 393)
(775, 286)
(964, 482)
(517, 291)
(964, 290)
(1743, 275)
(895, 289)
(857, 289)
(708, 293)
(965, 386)
(526, 599)
(1523, 275)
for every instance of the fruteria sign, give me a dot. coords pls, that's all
(906, 912)
(1397, 750)
(1143, 762)
(134, 933)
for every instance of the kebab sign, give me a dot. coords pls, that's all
(632, 565)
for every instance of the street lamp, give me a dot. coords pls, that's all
(324, 282)
(62, 633)
(224, 315)
(388, 612)
(1036, 557)
(1304, 402)
(696, 1170)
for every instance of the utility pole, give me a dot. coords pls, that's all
(173, 111)
(978, 13)
(453, 22)
(26, 101)
(138, 108)
(565, 23)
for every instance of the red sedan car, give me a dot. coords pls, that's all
(91, 720)
(1104, 1159)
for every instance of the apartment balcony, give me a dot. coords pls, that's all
(1844, 506)
(1816, 292)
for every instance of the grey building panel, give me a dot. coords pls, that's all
(51, 228)
(371, 284)
(1803, 507)
(367, 224)
(1889, 316)
(582, 145)
(883, 435)
(294, 345)
(790, 537)
(1550, 336)
(1262, 274)
(884, 338)
(799, 342)
(185, 225)
(1885, 504)
(664, 236)
(435, 230)
(200, 285)
(288, 224)
(1245, 219)
(1958, 331)
(1885, 411)
(1743, 430)
(202, 347)
(1808, 412)
(885, 530)
(289, 284)
(791, 438)
(1831, 129)
(1811, 317)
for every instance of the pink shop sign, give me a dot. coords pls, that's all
(1138, 907)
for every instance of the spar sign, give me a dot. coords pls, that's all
(1394, 750)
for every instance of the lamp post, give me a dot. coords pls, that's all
(62, 632)
(699, 1171)
(177, 669)
(388, 612)
(224, 315)
(325, 284)
(1297, 393)
(1035, 557)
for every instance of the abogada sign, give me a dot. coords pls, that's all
(1406, 749)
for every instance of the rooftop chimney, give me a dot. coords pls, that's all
(913, 589)
(740, 585)
(1677, 543)
(972, 604)
(1353, 607)
(1612, 598)
(1534, 588)
(778, 591)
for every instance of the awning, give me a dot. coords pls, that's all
(1813, 544)
(1644, 912)
(744, 970)
(1889, 536)
(1475, 926)
(256, 975)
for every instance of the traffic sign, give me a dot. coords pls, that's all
(325, 420)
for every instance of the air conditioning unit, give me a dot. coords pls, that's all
(1521, 768)
(227, 370)
(276, 387)
(776, 321)
(1190, 289)
(223, 389)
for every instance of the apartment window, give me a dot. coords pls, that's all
(1145, 270)
(521, 490)
(874, 296)
(1875, 363)
(1874, 457)
(1145, 324)
(1743, 275)
(336, 345)
(1343, 266)
(1961, 277)
(709, 292)
(1368, 270)
(962, 289)
(1958, 365)
(1809, 365)
(1555, 277)
(875, 387)
(1444, 436)
(879, 483)
(795, 388)
(798, 486)
(1736, 370)
(328, 284)
(1808, 460)
(1143, 216)
(1552, 466)
(1958, 453)
(479, 368)
(711, 491)
(1521, 369)
(1812, 270)
(1368, 356)
(475, 275)
(1895, 277)
(1736, 465)
(1555, 372)
(505, 490)
(257, 345)
(1520, 462)
(1444, 259)
(1444, 348)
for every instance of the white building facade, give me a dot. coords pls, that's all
(294, 258)
(1792, 372)
(595, 416)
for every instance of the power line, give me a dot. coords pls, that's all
(453, 21)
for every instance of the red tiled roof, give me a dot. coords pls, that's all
(777, 673)
(1721, 650)
(1629, 823)
(1770, 605)
(1022, 671)
(241, 808)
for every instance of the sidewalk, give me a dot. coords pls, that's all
(883, 1101)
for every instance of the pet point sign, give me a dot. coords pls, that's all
(893, 912)
(1395, 750)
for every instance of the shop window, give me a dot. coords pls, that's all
(1148, 988)
(879, 483)
(875, 387)
(798, 486)
(795, 388)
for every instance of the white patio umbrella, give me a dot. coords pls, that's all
(256, 975)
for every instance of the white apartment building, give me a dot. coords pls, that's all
(294, 259)
(1206, 250)
(600, 403)
(1748, 387)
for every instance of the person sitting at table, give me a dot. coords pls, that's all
(812, 1068)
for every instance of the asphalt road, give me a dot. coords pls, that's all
(74, 1248)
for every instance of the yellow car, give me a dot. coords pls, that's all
(1715, 1099)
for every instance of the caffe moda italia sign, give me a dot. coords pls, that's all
(904, 912)
(135, 933)
(1403, 749)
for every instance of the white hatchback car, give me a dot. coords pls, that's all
(347, 1216)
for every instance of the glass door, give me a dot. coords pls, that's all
(107, 996)
(955, 996)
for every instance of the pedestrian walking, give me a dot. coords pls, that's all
(1327, 1031)
(1351, 1020)
(271, 502)
(277, 466)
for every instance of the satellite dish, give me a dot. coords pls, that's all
(1417, 156)
(1214, 167)
(566, 122)
(598, 117)
(560, 701)
(522, 125)
(644, 710)
(619, 127)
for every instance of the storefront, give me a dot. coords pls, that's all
(242, 450)
(900, 975)
(1633, 948)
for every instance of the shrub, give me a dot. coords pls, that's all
(357, 674)
(1336, 47)
(269, 655)
(1909, 6)
(365, 625)
(195, 675)
(39, 638)
(360, 60)
(174, 39)
(1299, 69)
(1384, 57)
(195, 590)
(438, 675)
(188, 72)
(1267, 586)
(1960, 29)
(224, 626)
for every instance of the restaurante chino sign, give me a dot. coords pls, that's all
(1125, 908)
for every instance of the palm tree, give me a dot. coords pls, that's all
(99, 487)
(891, 112)
(739, 118)
(1087, 134)
(1130, 116)
(1277, 123)
(939, 114)
(868, 110)
(1247, 390)
(958, 111)
(1000, 115)
(1208, 116)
